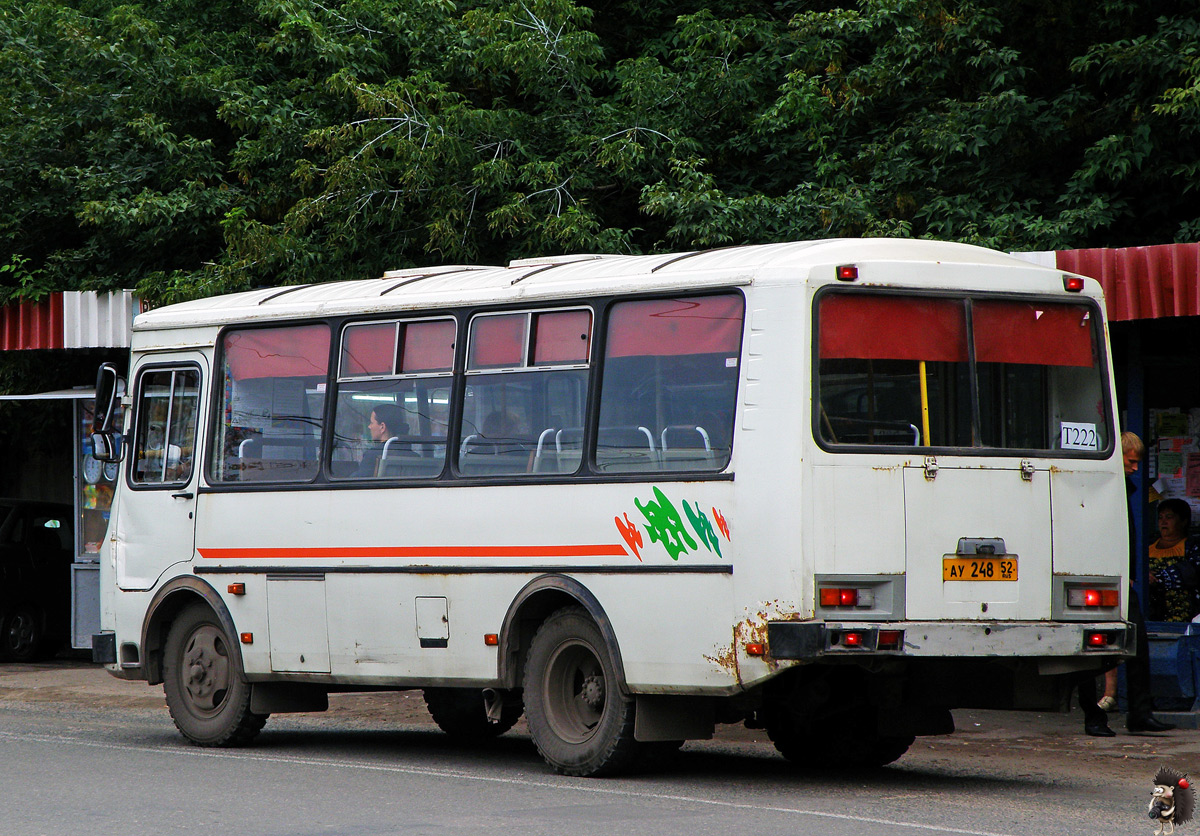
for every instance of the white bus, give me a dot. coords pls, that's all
(836, 488)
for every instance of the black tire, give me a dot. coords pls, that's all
(580, 721)
(824, 743)
(207, 694)
(460, 713)
(23, 634)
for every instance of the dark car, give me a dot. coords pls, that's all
(36, 551)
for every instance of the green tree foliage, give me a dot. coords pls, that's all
(188, 147)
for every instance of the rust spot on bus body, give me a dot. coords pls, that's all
(752, 629)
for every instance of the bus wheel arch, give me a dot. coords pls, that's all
(537, 601)
(168, 603)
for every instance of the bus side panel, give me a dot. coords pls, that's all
(461, 557)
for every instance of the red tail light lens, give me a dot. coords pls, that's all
(1078, 597)
(890, 639)
(846, 596)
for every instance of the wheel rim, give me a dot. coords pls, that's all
(204, 670)
(575, 692)
(21, 632)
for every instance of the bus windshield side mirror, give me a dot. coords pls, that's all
(106, 440)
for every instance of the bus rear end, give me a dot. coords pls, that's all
(968, 532)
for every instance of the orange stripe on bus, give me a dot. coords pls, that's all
(606, 550)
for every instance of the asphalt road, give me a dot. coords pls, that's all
(76, 762)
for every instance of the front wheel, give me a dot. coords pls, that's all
(580, 721)
(207, 695)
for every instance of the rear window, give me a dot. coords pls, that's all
(923, 371)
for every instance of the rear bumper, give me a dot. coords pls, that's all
(938, 639)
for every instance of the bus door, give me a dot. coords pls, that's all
(157, 513)
(977, 542)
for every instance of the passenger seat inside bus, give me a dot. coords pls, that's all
(623, 449)
(686, 447)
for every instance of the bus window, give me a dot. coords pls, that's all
(1036, 381)
(166, 430)
(269, 410)
(1040, 385)
(670, 384)
(396, 373)
(526, 392)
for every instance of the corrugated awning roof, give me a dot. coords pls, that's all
(32, 324)
(1142, 282)
(70, 319)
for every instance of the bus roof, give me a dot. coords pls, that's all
(559, 276)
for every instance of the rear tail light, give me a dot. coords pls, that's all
(852, 638)
(891, 639)
(1080, 597)
(863, 638)
(831, 596)
(1072, 284)
(1103, 639)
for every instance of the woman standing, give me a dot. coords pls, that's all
(1174, 566)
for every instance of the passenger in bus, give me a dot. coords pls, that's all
(1174, 563)
(387, 422)
(1140, 716)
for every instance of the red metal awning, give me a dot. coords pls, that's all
(1142, 282)
(32, 324)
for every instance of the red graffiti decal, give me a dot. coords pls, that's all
(631, 534)
(721, 524)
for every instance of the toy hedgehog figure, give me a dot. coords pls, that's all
(1172, 802)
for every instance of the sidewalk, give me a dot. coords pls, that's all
(978, 733)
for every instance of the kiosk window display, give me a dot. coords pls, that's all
(94, 485)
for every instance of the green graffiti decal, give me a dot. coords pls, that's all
(665, 525)
(702, 527)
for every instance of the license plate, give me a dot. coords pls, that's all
(1002, 568)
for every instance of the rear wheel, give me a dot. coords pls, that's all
(824, 718)
(461, 713)
(580, 721)
(207, 695)
(22, 635)
(850, 748)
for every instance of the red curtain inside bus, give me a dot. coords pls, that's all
(428, 347)
(497, 342)
(1034, 333)
(369, 349)
(562, 337)
(855, 326)
(672, 327)
(300, 351)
